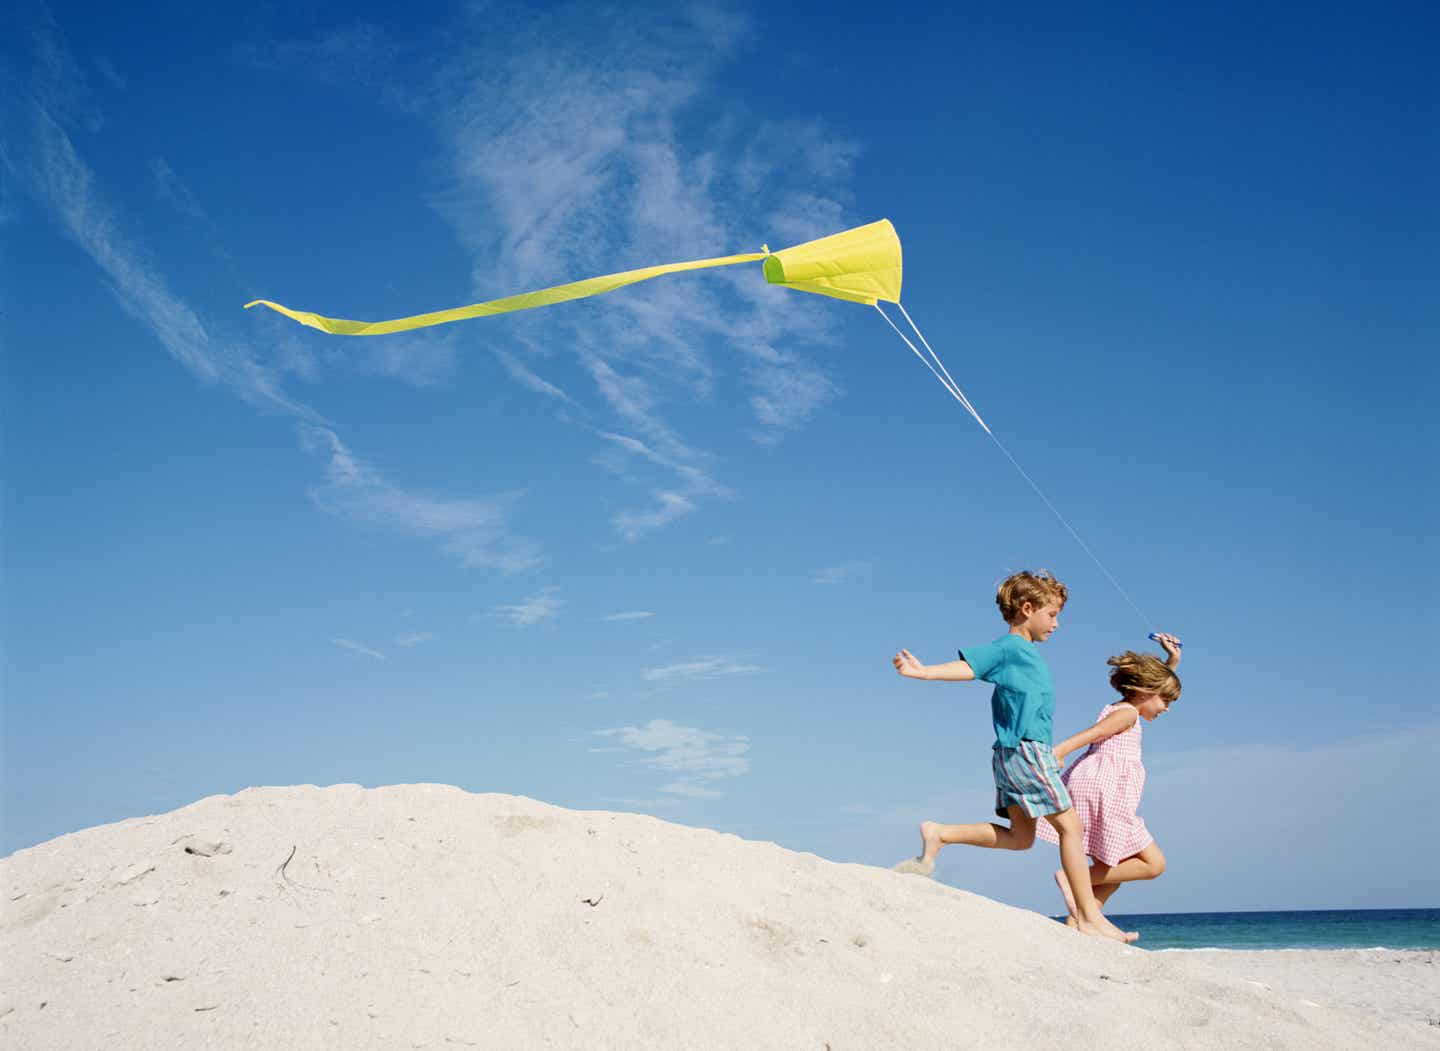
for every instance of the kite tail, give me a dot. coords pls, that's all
(591, 286)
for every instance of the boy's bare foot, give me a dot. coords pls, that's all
(916, 867)
(1064, 885)
(1072, 922)
(930, 837)
(924, 865)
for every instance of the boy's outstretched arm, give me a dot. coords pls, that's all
(953, 671)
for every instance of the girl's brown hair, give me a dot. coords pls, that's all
(1142, 673)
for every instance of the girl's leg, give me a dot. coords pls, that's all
(1088, 917)
(1102, 895)
(1019, 836)
(1147, 864)
(1104, 892)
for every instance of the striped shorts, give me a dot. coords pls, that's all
(1029, 777)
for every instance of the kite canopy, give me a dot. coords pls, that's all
(860, 265)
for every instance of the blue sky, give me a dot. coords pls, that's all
(653, 551)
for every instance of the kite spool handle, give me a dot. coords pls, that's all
(1156, 638)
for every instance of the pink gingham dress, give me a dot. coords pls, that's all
(1105, 786)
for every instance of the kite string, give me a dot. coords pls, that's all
(945, 381)
(959, 396)
(926, 343)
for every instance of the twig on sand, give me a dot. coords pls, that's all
(280, 872)
(284, 877)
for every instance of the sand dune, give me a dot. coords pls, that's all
(425, 916)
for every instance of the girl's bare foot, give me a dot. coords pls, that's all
(1072, 922)
(1106, 929)
(1114, 932)
(1064, 885)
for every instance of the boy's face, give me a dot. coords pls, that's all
(1040, 622)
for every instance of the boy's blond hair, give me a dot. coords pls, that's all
(1141, 673)
(1034, 588)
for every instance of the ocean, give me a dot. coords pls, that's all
(1318, 929)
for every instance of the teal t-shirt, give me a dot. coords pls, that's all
(1024, 699)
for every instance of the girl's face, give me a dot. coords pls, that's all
(1150, 705)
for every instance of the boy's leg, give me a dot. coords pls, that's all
(933, 835)
(1064, 884)
(1089, 918)
(1019, 836)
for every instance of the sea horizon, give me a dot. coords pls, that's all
(1274, 929)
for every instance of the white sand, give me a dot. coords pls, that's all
(1383, 982)
(424, 916)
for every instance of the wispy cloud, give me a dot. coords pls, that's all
(699, 668)
(698, 757)
(474, 530)
(639, 614)
(560, 165)
(47, 162)
(789, 392)
(838, 574)
(536, 609)
(355, 647)
(362, 54)
(667, 504)
(564, 167)
(111, 74)
(413, 638)
(526, 378)
(563, 163)
(667, 507)
(69, 186)
(174, 190)
(424, 359)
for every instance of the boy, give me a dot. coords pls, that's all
(1027, 775)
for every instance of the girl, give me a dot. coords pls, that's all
(1105, 784)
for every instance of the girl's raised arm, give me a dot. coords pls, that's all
(1117, 722)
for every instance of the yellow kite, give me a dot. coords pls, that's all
(860, 265)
